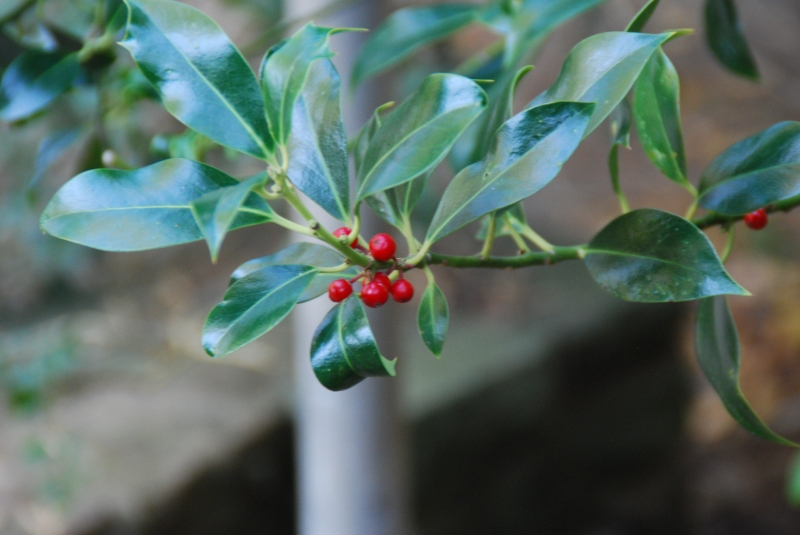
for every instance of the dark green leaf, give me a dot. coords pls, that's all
(216, 211)
(203, 80)
(420, 132)
(343, 350)
(658, 117)
(641, 19)
(253, 305)
(303, 253)
(727, 40)
(115, 210)
(33, 80)
(719, 355)
(433, 318)
(652, 256)
(527, 154)
(602, 69)
(318, 144)
(755, 172)
(406, 31)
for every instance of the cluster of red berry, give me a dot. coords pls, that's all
(377, 286)
(756, 220)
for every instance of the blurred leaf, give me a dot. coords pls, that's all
(318, 145)
(33, 81)
(641, 18)
(146, 208)
(793, 481)
(10, 8)
(50, 150)
(727, 40)
(253, 305)
(527, 154)
(406, 31)
(755, 172)
(650, 256)
(28, 30)
(343, 350)
(433, 318)
(202, 78)
(73, 17)
(719, 355)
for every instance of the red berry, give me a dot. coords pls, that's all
(756, 220)
(380, 278)
(339, 290)
(382, 247)
(402, 291)
(374, 294)
(344, 231)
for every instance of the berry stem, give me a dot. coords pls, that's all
(335, 269)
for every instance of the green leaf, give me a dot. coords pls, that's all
(318, 144)
(33, 81)
(658, 117)
(216, 211)
(754, 172)
(650, 256)
(284, 70)
(343, 350)
(115, 210)
(620, 123)
(433, 318)
(528, 153)
(420, 132)
(404, 32)
(10, 8)
(727, 40)
(302, 253)
(793, 481)
(50, 150)
(253, 305)
(719, 355)
(203, 80)
(641, 18)
(602, 69)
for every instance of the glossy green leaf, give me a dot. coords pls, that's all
(726, 38)
(528, 153)
(405, 31)
(650, 256)
(115, 210)
(216, 211)
(755, 172)
(433, 318)
(602, 69)
(658, 117)
(33, 81)
(420, 132)
(343, 350)
(253, 305)
(203, 80)
(318, 144)
(302, 253)
(719, 355)
(641, 18)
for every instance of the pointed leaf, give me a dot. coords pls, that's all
(203, 80)
(33, 81)
(754, 172)
(318, 144)
(719, 355)
(253, 305)
(115, 210)
(433, 318)
(726, 38)
(216, 211)
(658, 117)
(602, 69)
(528, 153)
(641, 18)
(343, 350)
(650, 256)
(420, 132)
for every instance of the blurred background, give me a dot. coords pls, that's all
(555, 408)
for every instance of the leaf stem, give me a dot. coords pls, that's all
(692, 210)
(613, 169)
(336, 269)
(729, 244)
(535, 239)
(523, 247)
(291, 225)
(489, 242)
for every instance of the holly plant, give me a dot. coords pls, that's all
(289, 117)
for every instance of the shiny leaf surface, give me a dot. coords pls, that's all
(652, 256)
(33, 81)
(343, 350)
(433, 318)
(203, 80)
(719, 355)
(115, 210)
(253, 305)
(755, 172)
(726, 38)
(528, 153)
